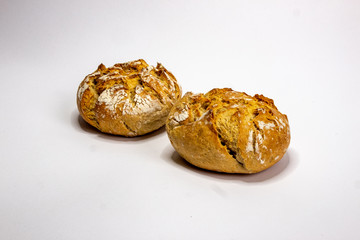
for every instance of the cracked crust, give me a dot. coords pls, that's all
(128, 99)
(228, 131)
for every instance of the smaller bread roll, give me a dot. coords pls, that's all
(228, 131)
(128, 99)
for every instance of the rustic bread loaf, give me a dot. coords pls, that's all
(127, 99)
(228, 131)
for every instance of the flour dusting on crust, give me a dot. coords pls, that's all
(85, 84)
(82, 89)
(181, 116)
(112, 97)
(145, 104)
(263, 125)
(249, 146)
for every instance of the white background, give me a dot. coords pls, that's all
(61, 179)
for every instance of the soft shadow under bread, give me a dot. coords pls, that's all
(78, 122)
(279, 170)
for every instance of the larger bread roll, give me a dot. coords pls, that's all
(228, 131)
(128, 99)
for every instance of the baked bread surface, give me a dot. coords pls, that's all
(228, 131)
(127, 99)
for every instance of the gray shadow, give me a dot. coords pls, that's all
(80, 125)
(282, 168)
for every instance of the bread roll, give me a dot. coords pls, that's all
(128, 99)
(228, 131)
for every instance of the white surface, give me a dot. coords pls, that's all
(61, 179)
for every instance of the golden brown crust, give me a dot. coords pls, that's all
(228, 131)
(127, 99)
